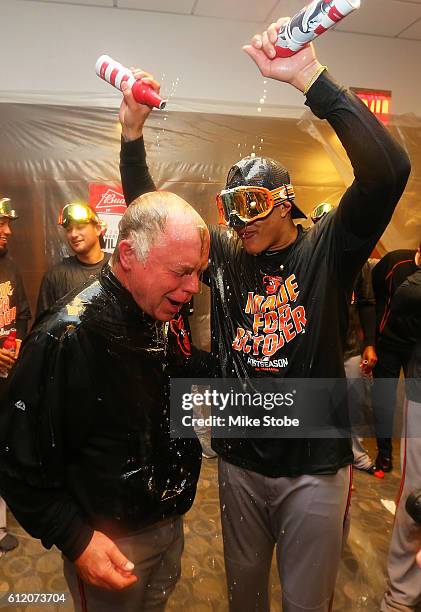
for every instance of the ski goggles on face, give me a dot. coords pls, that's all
(6, 209)
(77, 213)
(241, 205)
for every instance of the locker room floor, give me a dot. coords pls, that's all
(361, 580)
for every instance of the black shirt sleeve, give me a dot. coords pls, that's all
(135, 177)
(381, 170)
(366, 305)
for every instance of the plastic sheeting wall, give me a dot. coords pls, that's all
(50, 154)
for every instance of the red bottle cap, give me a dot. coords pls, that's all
(10, 342)
(144, 94)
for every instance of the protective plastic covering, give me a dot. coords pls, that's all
(50, 154)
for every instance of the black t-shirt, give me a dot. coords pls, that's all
(14, 307)
(285, 314)
(65, 276)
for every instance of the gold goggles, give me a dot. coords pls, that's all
(6, 209)
(241, 205)
(77, 213)
(320, 211)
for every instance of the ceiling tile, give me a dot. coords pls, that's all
(235, 9)
(381, 17)
(285, 8)
(183, 7)
(413, 32)
(80, 2)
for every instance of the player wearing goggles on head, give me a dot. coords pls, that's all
(83, 231)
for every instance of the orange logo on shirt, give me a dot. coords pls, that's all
(7, 313)
(274, 321)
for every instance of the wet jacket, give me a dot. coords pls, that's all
(84, 423)
(285, 313)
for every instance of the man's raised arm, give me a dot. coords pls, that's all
(135, 176)
(381, 166)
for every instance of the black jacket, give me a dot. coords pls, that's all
(84, 421)
(304, 333)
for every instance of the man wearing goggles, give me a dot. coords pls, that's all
(258, 194)
(14, 316)
(84, 232)
(280, 298)
(242, 205)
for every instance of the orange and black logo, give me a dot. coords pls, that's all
(179, 330)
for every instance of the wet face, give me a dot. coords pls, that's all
(265, 234)
(5, 232)
(82, 237)
(170, 276)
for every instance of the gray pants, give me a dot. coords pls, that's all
(404, 592)
(303, 517)
(358, 398)
(156, 553)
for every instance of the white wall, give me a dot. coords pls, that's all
(49, 50)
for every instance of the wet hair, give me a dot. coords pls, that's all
(146, 219)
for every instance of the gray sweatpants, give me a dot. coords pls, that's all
(358, 400)
(156, 553)
(303, 517)
(404, 584)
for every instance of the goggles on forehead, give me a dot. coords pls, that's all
(77, 213)
(320, 211)
(6, 209)
(241, 205)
